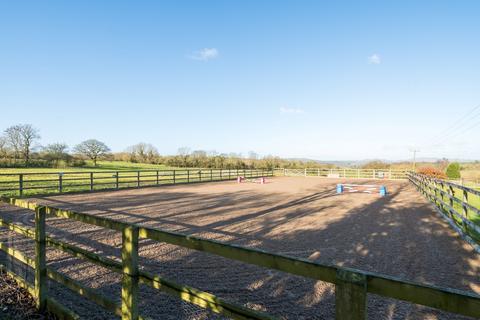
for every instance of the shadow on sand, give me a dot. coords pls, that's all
(397, 235)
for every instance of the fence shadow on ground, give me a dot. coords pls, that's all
(397, 235)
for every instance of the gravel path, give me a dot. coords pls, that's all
(399, 235)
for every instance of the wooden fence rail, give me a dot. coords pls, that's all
(59, 182)
(459, 204)
(351, 285)
(349, 173)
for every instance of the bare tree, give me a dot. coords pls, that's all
(56, 152)
(3, 148)
(184, 153)
(143, 152)
(199, 158)
(252, 155)
(92, 149)
(13, 140)
(21, 138)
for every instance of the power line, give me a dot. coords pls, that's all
(452, 130)
(466, 130)
(457, 128)
(458, 122)
(458, 131)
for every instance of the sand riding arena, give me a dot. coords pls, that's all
(399, 235)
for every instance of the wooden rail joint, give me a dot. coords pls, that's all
(353, 277)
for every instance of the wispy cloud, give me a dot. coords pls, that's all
(204, 54)
(374, 59)
(286, 110)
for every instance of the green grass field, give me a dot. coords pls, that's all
(101, 166)
(106, 175)
(46, 180)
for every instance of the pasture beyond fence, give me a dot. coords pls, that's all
(351, 285)
(460, 205)
(46, 182)
(348, 173)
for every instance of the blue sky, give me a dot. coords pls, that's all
(324, 80)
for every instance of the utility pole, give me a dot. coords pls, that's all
(414, 158)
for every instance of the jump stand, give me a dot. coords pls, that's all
(261, 180)
(366, 188)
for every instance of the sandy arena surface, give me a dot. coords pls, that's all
(399, 235)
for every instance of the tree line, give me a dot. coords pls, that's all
(19, 147)
(187, 158)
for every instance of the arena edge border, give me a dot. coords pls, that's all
(351, 285)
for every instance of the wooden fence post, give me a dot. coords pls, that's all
(40, 258)
(20, 184)
(350, 296)
(211, 175)
(116, 180)
(158, 181)
(130, 273)
(465, 211)
(138, 179)
(188, 176)
(452, 194)
(442, 195)
(91, 181)
(60, 182)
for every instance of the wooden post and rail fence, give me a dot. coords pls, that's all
(460, 205)
(24, 184)
(348, 173)
(351, 285)
(20, 184)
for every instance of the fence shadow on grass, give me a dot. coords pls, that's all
(396, 235)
